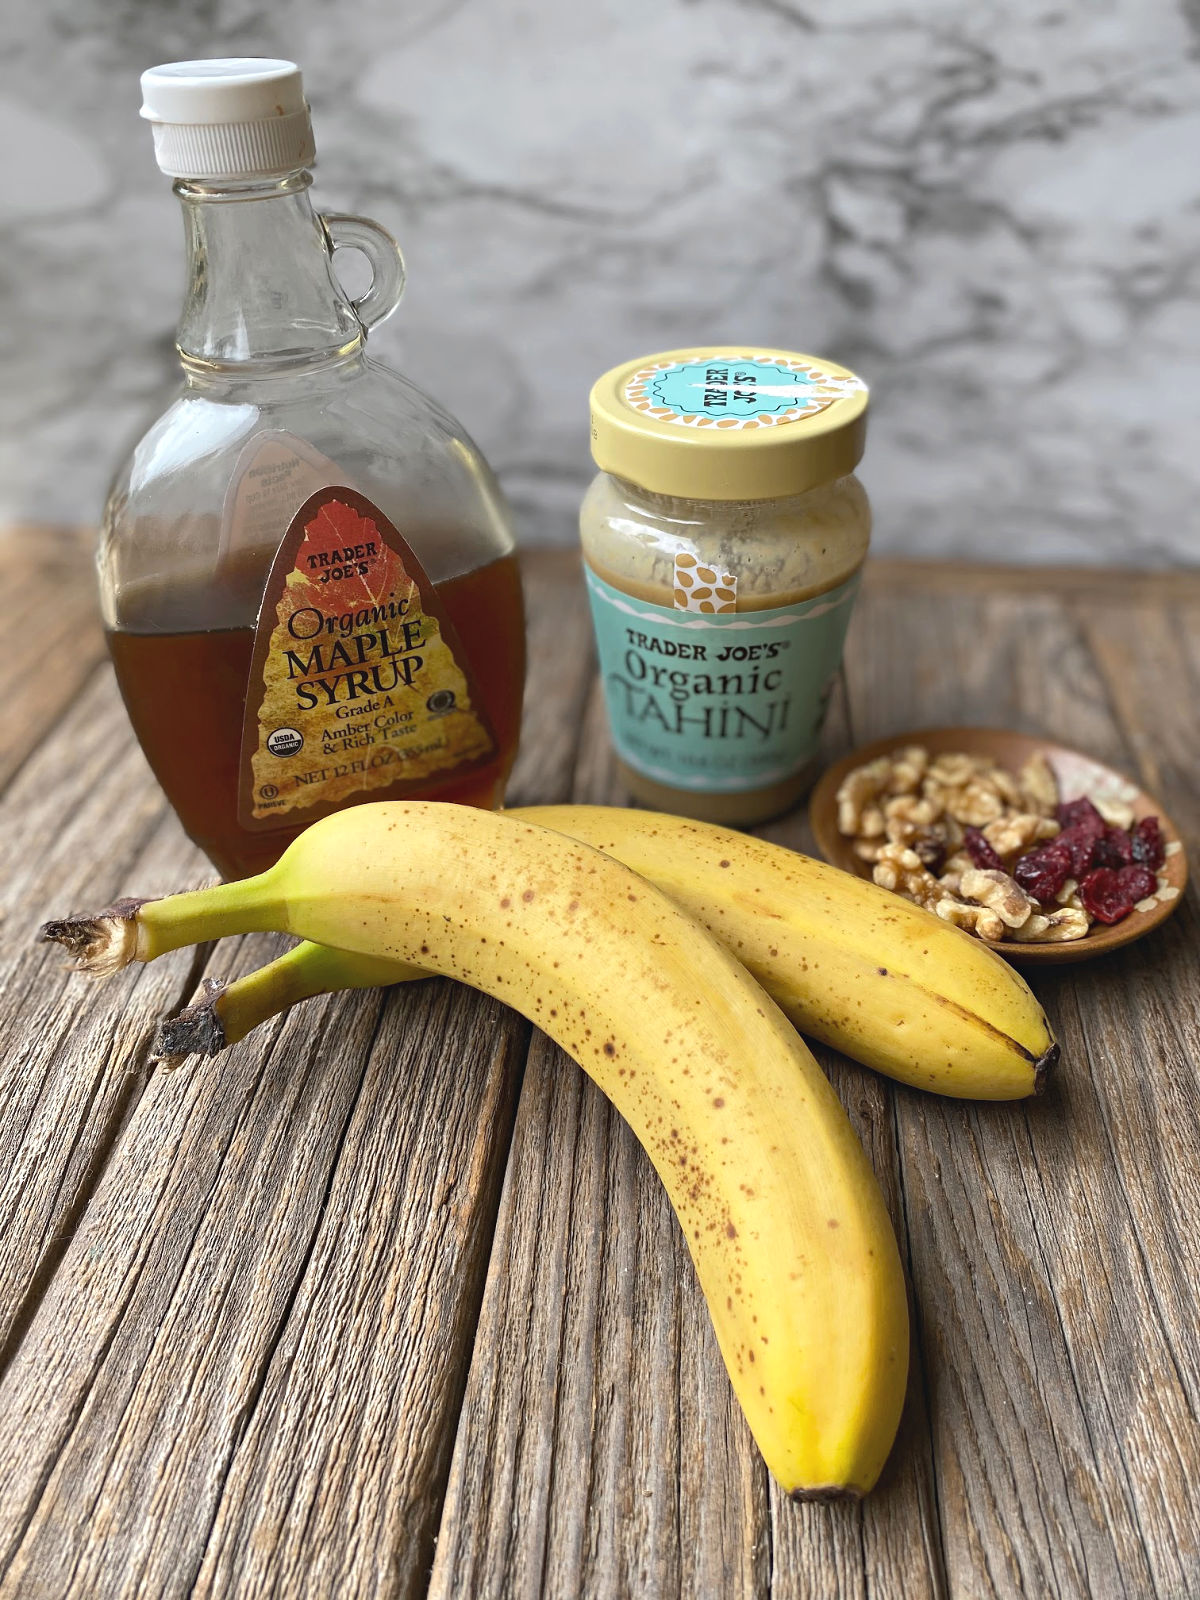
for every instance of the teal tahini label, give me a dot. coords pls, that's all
(718, 703)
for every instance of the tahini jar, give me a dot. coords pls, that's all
(723, 540)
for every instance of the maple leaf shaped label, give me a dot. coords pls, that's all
(358, 681)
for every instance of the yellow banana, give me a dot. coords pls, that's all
(779, 1207)
(861, 969)
(882, 980)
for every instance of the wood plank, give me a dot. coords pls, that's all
(978, 579)
(81, 816)
(247, 1358)
(53, 573)
(78, 826)
(583, 1457)
(1062, 1417)
(582, 1453)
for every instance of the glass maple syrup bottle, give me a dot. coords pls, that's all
(306, 568)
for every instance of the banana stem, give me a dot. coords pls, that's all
(222, 1014)
(142, 930)
(250, 905)
(300, 973)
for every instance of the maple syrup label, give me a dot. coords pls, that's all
(358, 681)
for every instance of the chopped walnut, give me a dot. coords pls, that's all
(1068, 895)
(953, 771)
(872, 825)
(908, 768)
(858, 789)
(911, 821)
(901, 831)
(980, 920)
(1013, 834)
(929, 853)
(1039, 786)
(999, 893)
(1006, 786)
(1060, 926)
(933, 844)
(952, 870)
(909, 808)
(868, 849)
(901, 870)
(955, 833)
(975, 803)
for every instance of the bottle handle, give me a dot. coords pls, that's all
(381, 250)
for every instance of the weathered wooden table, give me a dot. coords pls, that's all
(387, 1301)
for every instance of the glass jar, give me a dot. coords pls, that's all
(307, 571)
(723, 541)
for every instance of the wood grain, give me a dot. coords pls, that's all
(1063, 1434)
(390, 1290)
(71, 780)
(79, 821)
(52, 573)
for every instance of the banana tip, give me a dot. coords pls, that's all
(825, 1494)
(1043, 1067)
(196, 1031)
(99, 944)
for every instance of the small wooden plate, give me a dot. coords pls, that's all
(1077, 774)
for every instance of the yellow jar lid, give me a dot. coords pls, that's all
(728, 422)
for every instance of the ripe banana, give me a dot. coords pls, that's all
(861, 969)
(781, 1212)
(851, 964)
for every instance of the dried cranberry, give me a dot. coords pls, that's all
(1137, 881)
(1081, 847)
(1042, 872)
(1147, 842)
(1082, 829)
(980, 851)
(1114, 849)
(1081, 839)
(1104, 896)
(1080, 813)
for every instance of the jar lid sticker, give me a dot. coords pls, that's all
(734, 392)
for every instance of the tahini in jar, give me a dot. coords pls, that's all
(723, 540)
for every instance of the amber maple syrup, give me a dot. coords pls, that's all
(185, 691)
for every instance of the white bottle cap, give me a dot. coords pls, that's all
(235, 118)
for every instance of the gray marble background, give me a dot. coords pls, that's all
(990, 208)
